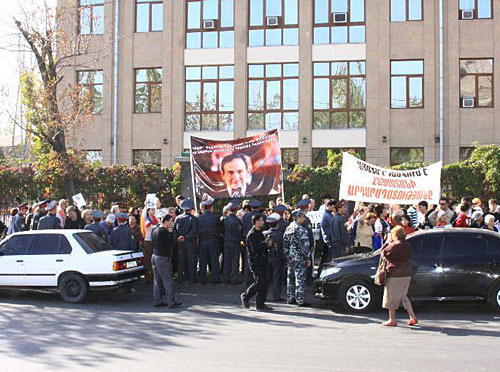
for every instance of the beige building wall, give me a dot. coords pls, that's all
(385, 41)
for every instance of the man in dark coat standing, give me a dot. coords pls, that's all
(258, 247)
(50, 221)
(39, 213)
(122, 238)
(339, 237)
(280, 209)
(95, 227)
(276, 258)
(20, 218)
(246, 223)
(233, 235)
(209, 233)
(186, 235)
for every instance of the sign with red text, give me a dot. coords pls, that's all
(362, 181)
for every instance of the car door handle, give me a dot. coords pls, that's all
(19, 261)
(60, 260)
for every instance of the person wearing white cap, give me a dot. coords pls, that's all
(50, 221)
(108, 225)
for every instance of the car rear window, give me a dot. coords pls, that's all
(91, 243)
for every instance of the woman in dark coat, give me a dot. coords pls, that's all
(398, 265)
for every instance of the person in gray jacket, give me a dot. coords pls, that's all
(50, 221)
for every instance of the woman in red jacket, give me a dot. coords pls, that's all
(462, 219)
(398, 265)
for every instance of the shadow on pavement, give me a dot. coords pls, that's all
(37, 326)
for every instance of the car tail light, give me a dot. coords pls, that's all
(128, 264)
(119, 265)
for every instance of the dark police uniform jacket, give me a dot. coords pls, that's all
(209, 227)
(36, 220)
(122, 239)
(20, 223)
(96, 229)
(246, 222)
(232, 229)
(186, 225)
(48, 222)
(277, 249)
(257, 251)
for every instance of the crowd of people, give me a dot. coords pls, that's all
(261, 246)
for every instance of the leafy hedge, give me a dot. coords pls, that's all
(477, 176)
(100, 186)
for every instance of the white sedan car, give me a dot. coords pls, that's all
(71, 261)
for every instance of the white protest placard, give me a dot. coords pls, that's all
(151, 201)
(365, 182)
(79, 200)
(316, 217)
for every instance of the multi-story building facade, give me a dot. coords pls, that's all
(329, 74)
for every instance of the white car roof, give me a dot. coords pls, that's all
(52, 231)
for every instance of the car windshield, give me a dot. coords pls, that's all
(91, 243)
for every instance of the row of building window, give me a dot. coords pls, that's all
(210, 23)
(290, 156)
(339, 93)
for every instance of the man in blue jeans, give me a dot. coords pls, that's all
(162, 242)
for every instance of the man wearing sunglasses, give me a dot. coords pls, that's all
(442, 215)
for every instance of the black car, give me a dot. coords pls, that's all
(447, 264)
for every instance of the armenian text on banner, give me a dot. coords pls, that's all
(362, 181)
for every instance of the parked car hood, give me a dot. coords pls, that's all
(352, 259)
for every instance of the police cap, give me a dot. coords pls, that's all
(304, 203)
(297, 213)
(187, 204)
(280, 208)
(121, 216)
(273, 218)
(254, 203)
(51, 205)
(97, 214)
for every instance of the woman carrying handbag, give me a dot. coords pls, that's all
(395, 273)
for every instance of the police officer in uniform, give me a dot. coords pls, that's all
(280, 209)
(246, 223)
(233, 235)
(20, 219)
(50, 221)
(39, 213)
(122, 238)
(296, 248)
(95, 227)
(186, 235)
(209, 233)
(275, 256)
(258, 247)
(304, 206)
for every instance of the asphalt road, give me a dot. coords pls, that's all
(212, 332)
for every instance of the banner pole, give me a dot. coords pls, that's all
(192, 175)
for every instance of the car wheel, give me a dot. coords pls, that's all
(73, 288)
(357, 296)
(495, 297)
